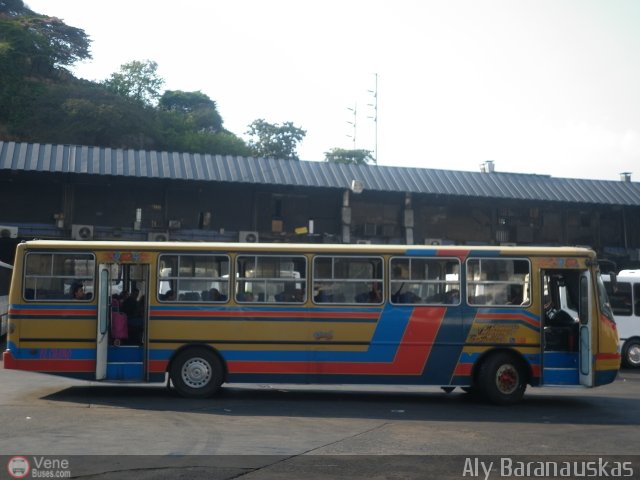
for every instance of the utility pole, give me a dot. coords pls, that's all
(374, 92)
(355, 113)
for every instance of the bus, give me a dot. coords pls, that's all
(624, 292)
(5, 281)
(490, 320)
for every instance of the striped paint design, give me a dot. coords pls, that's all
(389, 344)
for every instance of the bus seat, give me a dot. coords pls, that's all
(190, 296)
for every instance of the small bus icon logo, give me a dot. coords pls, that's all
(18, 467)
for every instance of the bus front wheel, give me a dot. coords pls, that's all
(502, 379)
(196, 373)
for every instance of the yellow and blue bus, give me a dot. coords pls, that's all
(491, 320)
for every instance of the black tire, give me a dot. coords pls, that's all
(631, 353)
(196, 373)
(502, 379)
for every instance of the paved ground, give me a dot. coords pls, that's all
(274, 428)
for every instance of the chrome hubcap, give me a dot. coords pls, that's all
(196, 372)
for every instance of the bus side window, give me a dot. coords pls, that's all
(348, 279)
(497, 281)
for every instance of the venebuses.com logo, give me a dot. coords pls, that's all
(38, 467)
(18, 467)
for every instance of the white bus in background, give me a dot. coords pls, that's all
(624, 295)
(5, 281)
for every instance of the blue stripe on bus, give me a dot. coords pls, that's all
(446, 349)
(510, 310)
(53, 353)
(429, 252)
(560, 376)
(603, 377)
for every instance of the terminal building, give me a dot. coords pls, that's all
(84, 192)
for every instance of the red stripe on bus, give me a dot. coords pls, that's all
(463, 369)
(158, 366)
(248, 313)
(508, 316)
(461, 254)
(608, 356)
(49, 365)
(410, 358)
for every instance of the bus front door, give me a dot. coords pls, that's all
(121, 348)
(585, 332)
(564, 319)
(104, 312)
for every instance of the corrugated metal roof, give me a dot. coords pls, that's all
(79, 159)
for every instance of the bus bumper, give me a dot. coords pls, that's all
(9, 360)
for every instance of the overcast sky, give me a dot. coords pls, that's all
(539, 86)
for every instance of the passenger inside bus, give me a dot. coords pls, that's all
(372, 296)
(78, 293)
(133, 307)
(214, 295)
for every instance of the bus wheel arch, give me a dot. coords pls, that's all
(501, 376)
(631, 352)
(197, 371)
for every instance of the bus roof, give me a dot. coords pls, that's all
(453, 250)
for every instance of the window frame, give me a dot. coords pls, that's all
(66, 296)
(177, 278)
(271, 280)
(409, 280)
(321, 280)
(469, 283)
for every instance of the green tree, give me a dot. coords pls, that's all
(40, 101)
(33, 47)
(274, 140)
(354, 157)
(197, 108)
(85, 113)
(37, 45)
(138, 80)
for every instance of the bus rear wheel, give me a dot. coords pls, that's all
(631, 354)
(196, 373)
(502, 379)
